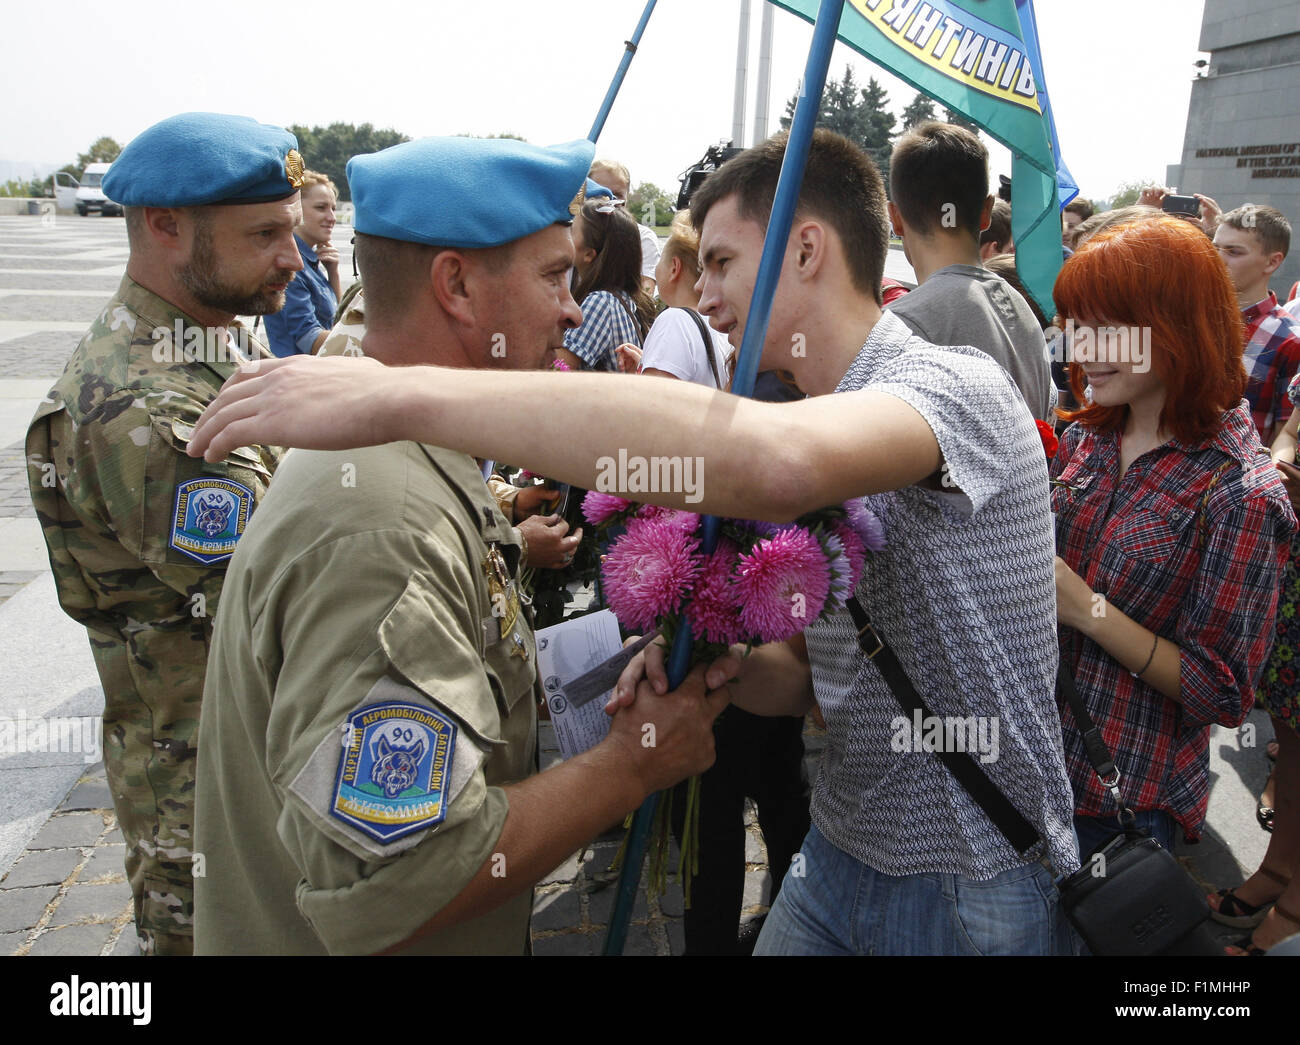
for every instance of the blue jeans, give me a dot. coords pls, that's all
(1092, 831)
(839, 905)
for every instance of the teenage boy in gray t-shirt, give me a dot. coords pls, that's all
(939, 189)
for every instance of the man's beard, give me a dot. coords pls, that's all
(199, 276)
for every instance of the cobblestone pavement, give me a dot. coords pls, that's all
(54, 279)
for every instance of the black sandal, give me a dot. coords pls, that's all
(1247, 943)
(1234, 911)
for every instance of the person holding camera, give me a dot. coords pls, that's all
(1253, 241)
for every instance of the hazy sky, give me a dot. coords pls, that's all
(1119, 73)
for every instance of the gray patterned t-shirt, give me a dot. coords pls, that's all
(965, 594)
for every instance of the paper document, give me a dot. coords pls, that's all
(565, 652)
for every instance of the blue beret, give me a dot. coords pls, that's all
(595, 190)
(467, 192)
(199, 158)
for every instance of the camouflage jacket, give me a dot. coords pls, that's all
(139, 534)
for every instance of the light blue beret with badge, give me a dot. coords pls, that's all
(467, 192)
(201, 158)
(595, 191)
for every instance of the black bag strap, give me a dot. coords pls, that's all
(1005, 817)
(1098, 753)
(708, 344)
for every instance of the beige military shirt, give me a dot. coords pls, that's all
(368, 695)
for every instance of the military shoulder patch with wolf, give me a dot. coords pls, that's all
(210, 515)
(395, 770)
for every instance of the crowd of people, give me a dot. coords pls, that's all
(365, 659)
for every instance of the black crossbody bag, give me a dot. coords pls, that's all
(1130, 896)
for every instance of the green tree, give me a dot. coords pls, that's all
(34, 187)
(105, 150)
(861, 114)
(507, 134)
(961, 121)
(650, 205)
(919, 111)
(1127, 194)
(328, 149)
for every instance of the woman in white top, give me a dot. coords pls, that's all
(675, 346)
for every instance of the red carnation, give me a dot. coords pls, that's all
(1048, 436)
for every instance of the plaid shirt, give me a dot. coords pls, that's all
(1272, 358)
(606, 323)
(1193, 551)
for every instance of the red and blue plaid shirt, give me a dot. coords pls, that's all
(1271, 358)
(1194, 552)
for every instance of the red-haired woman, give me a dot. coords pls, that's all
(1172, 524)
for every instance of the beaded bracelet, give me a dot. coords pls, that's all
(1139, 673)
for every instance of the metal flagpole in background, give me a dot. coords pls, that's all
(763, 96)
(742, 79)
(751, 348)
(629, 50)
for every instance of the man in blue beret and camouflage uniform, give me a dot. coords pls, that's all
(139, 534)
(366, 776)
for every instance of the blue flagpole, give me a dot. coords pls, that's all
(788, 184)
(629, 50)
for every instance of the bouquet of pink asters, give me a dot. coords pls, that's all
(763, 582)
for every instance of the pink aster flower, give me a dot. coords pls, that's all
(649, 572)
(560, 364)
(714, 611)
(598, 508)
(782, 585)
(687, 522)
(866, 523)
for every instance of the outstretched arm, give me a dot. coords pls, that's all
(753, 460)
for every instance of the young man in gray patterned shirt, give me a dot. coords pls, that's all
(899, 860)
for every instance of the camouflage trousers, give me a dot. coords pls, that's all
(150, 733)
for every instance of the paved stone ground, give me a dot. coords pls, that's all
(67, 894)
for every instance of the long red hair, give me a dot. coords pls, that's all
(1165, 274)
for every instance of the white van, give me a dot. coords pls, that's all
(84, 195)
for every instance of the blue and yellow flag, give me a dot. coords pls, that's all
(972, 56)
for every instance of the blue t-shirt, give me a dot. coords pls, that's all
(309, 305)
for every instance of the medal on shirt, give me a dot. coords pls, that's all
(501, 591)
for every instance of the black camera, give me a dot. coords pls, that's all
(693, 177)
(1188, 205)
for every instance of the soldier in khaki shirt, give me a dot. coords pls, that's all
(366, 773)
(139, 533)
